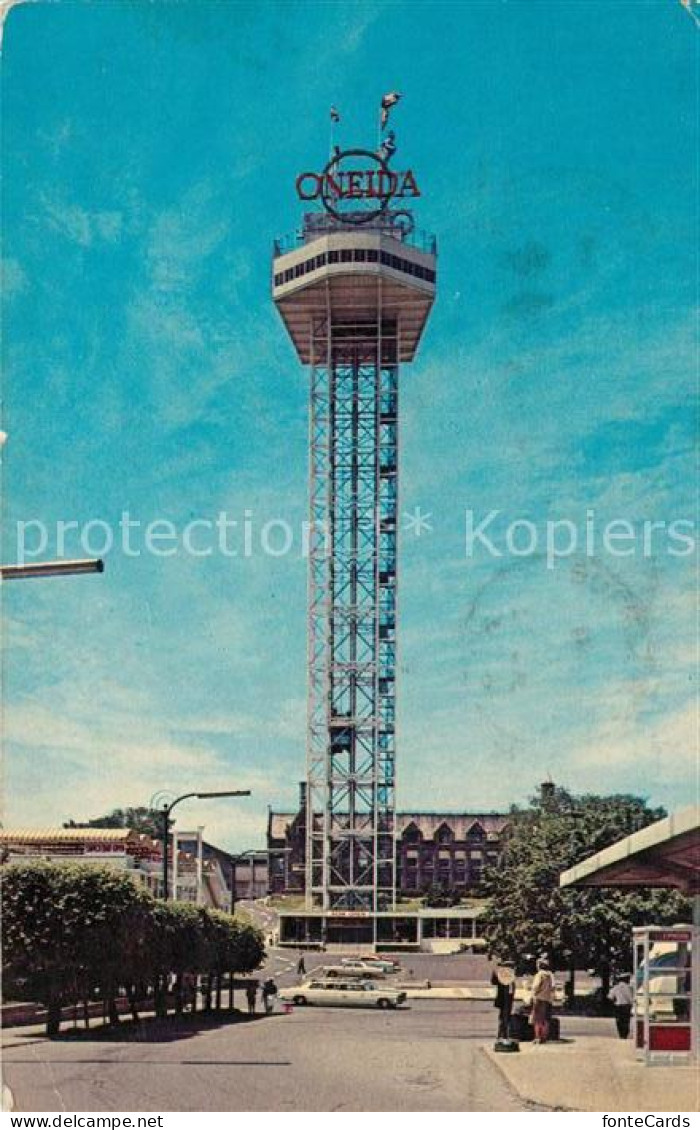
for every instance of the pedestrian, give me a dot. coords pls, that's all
(622, 998)
(189, 991)
(250, 996)
(503, 977)
(542, 997)
(301, 967)
(550, 1004)
(269, 991)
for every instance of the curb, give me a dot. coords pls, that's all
(528, 1101)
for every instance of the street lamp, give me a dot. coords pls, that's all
(36, 569)
(165, 813)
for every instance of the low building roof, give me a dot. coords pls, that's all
(461, 823)
(426, 822)
(64, 835)
(664, 854)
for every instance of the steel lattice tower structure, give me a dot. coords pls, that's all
(354, 293)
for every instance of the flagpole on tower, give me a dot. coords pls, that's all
(335, 118)
(388, 101)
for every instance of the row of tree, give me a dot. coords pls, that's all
(74, 933)
(528, 913)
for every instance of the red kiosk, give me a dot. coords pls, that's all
(666, 966)
(663, 979)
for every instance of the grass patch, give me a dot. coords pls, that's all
(287, 902)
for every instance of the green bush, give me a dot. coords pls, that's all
(72, 932)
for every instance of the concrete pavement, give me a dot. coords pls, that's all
(425, 1058)
(434, 1055)
(593, 1074)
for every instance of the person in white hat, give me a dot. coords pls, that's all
(622, 998)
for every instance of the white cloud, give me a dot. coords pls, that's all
(80, 226)
(14, 279)
(288, 721)
(665, 747)
(68, 766)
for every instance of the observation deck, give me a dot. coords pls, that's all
(355, 273)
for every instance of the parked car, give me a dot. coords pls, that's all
(361, 969)
(335, 992)
(384, 964)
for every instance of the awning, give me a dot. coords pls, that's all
(665, 854)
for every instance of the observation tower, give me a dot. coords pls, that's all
(354, 287)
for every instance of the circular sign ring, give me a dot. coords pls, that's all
(384, 200)
(403, 221)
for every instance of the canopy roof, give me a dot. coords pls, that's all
(65, 835)
(665, 854)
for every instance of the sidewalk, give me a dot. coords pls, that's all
(449, 993)
(588, 1073)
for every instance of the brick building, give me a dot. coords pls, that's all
(434, 849)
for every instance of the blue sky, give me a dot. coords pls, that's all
(150, 154)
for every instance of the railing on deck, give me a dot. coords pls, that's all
(389, 223)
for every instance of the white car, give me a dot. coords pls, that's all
(352, 969)
(344, 994)
(382, 964)
(356, 965)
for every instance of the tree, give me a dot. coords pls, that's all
(146, 821)
(528, 913)
(70, 930)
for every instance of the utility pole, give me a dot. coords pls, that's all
(165, 817)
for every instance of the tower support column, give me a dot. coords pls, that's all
(354, 289)
(350, 858)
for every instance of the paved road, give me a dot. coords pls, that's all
(439, 969)
(427, 1057)
(424, 1058)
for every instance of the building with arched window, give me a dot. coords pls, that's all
(447, 850)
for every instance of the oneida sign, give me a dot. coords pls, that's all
(356, 186)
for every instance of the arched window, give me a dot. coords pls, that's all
(412, 833)
(475, 832)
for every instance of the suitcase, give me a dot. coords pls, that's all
(553, 1028)
(520, 1028)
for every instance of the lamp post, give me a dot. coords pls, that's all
(165, 814)
(37, 569)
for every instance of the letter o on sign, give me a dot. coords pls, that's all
(311, 193)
